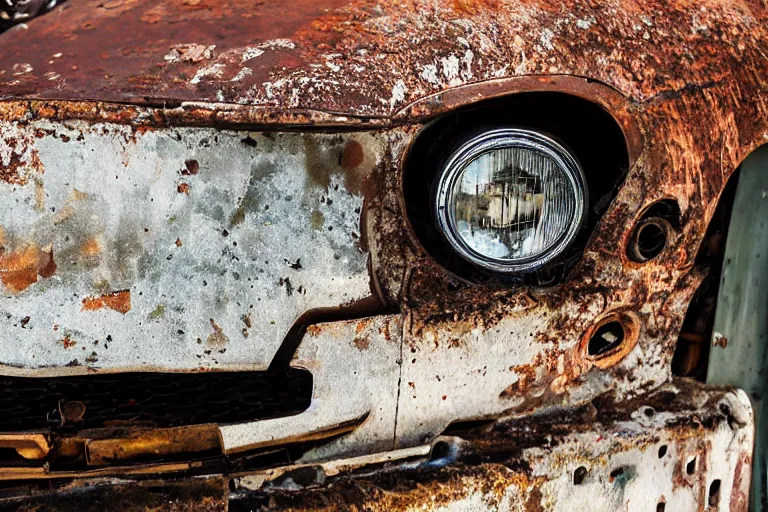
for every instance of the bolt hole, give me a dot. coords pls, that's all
(714, 493)
(606, 338)
(440, 450)
(661, 507)
(662, 451)
(690, 468)
(651, 240)
(579, 475)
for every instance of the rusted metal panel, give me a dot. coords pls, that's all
(366, 58)
(684, 446)
(158, 443)
(173, 249)
(151, 254)
(509, 351)
(355, 367)
(199, 495)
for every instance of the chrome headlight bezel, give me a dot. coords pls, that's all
(509, 138)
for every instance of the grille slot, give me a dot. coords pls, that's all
(155, 399)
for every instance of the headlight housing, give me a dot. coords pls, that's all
(511, 200)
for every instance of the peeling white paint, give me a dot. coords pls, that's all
(214, 71)
(129, 209)
(429, 73)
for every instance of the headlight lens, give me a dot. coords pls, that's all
(511, 200)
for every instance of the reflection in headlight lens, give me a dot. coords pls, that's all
(511, 200)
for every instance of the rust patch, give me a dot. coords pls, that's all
(217, 338)
(526, 374)
(191, 168)
(739, 498)
(719, 340)
(90, 248)
(473, 7)
(361, 338)
(19, 162)
(183, 188)
(119, 301)
(631, 326)
(20, 269)
(157, 443)
(68, 342)
(352, 155)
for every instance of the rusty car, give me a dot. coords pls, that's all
(404, 255)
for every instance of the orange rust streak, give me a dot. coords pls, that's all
(118, 301)
(90, 247)
(19, 269)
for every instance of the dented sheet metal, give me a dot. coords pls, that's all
(174, 249)
(681, 448)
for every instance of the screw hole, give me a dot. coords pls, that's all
(662, 451)
(579, 475)
(690, 468)
(714, 493)
(606, 338)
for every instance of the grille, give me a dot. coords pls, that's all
(155, 399)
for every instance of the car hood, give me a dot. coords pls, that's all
(365, 58)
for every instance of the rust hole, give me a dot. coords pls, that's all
(579, 475)
(714, 493)
(662, 451)
(607, 338)
(611, 338)
(690, 468)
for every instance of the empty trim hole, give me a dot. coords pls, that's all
(662, 451)
(690, 468)
(579, 475)
(661, 507)
(714, 493)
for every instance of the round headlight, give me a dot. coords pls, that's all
(511, 200)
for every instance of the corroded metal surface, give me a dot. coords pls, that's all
(671, 447)
(684, 446)
(123, 219)
(355, 369)
(367, 58)
(172, 249)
